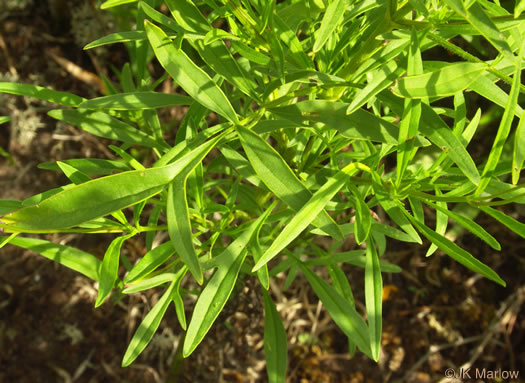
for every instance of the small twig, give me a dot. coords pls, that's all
(436, 348)
(514, 300)
(78, 72)
(8, 58)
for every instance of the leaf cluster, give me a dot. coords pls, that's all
(306, 105)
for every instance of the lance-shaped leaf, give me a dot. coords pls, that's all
(89, 166)
(213, 298)
(99, 197)
(147, 327)
(72, 258)
(511, 223)
(380, 79)
(189, 76)
(103, 125)
(213, 52)
(109, 269)
(216, 293)
(477, 17)
(360, 125)
(408, 127)
(332, 18)
(28, 90)
(255, 247)
(273, 170)
(468, 224)
(150, 262)
(149, 283)
(504, 126)
(118, 37)
(518, 155)
(179, 226)
(363, 218)
(373, 298)
(114, 3)
(178, 302)
(343, 314)
(455, 252)
(444, 82)
(275, 344)
(397, 216)
(136, 101)
(307, 214)
(437, 131)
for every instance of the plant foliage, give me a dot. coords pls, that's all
(304, 119)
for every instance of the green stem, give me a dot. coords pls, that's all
(471, 58)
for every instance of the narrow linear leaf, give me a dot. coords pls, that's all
(504, 127)
(397, 216)
(332, 18)
(103, 125)
(494, 93)
(456, 252)
(149, 283)
(360, 125)
(136, 101)
(89, 166)
(437, 131)
(100, 196)
(381, 79)
(178, 302)
(288, 36)
(444, 82)
(147, 327)
(343, 314)
(189, 76)
(441, 221)
(275, 344)
(255, 247)
(150, 262)
(518, 155)
(477, 17)
(392, 232)
(114, 3)
(514, 225)
(409, 125)
(307, 213)
(251, 54)
(363, 218)
(342, 286)
(373, 298)
(74, 259)
(179, 226)
(280, 179)
(214, 296)
(28, 90)
(4, 119)
(109, 269)
(468, 224)
(73, 174)
(119, 37)
(216, 293)
(212, 50)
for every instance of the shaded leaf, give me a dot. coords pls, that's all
(275, 342)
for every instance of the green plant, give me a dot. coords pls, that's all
(324, 112)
